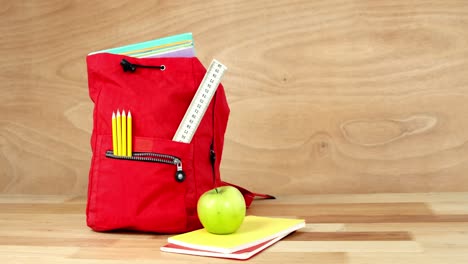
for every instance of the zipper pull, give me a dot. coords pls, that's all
(212, 155)
(213, 161)
(128, 66)
(180, 174)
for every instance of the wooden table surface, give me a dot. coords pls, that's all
(371, 228)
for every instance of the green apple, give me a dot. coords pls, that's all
(221, 210)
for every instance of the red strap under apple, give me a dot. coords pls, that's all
(248, 195)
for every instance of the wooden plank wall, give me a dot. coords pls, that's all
(325, 96)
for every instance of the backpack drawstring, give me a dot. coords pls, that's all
(128, 66)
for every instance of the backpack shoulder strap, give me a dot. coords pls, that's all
(248, 195)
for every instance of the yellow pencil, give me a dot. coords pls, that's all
(119, 134)
(124, 134)
(129, 134)
(114, 134)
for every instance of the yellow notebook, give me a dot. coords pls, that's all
(254, 230)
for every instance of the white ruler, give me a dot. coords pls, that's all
(200, 102)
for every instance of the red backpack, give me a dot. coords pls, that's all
(157, 188)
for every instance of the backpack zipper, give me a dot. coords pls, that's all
(154, 157)
(212, 148)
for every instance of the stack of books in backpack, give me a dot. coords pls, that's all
(174, 46)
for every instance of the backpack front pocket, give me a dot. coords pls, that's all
(148, 191)
(155, 158)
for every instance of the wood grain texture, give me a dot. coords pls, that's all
(325, 96)
(53, 230)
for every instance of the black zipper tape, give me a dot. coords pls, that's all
(153, 157)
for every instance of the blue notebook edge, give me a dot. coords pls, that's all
(146, 44)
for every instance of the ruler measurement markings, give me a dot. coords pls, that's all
(200, 102)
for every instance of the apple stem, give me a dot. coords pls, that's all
(216, 190)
